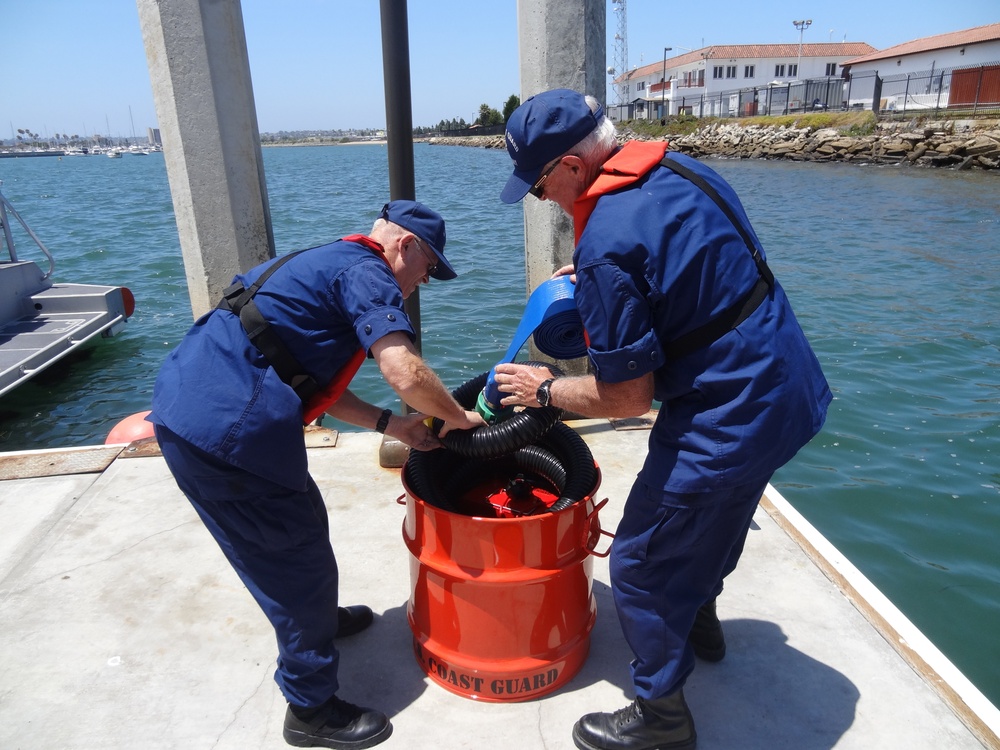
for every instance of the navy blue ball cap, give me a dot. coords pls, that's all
(427, 225)
(543, 128)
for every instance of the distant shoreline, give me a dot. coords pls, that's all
(962, 145)
(287, 144)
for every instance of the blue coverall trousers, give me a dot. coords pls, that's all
(278, 541)
(670, 555)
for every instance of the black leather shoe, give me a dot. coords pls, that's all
(661, 724)
(352, 620)
(706, 636)
(336, 724)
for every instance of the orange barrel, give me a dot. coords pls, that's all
(501, 608)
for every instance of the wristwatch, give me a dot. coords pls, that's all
(544, 393)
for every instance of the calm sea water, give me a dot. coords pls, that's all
(894, 273)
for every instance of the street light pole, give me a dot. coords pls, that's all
(663, 91)
(801, 26)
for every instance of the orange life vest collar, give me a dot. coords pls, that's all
(364, 239)
(632, 161)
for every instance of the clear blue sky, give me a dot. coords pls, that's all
(68, 66)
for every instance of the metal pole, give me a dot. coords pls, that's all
(399, 120)
(979, 88)
(801, 26)
(663, 91)
(398, 114)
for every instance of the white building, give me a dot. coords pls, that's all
(957, 49)
(960, 69)
(731, 79)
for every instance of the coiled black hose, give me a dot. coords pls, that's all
(503, 438)
(423, 472)
(533, 459)
(557, 456)
(575, 455)
(567, 470)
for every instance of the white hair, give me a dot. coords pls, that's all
(599, 144)
(385, 232)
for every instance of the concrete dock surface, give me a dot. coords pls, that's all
(122, 625)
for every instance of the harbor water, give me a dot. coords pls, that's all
(894, 273)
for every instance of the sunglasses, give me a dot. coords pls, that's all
(536, 189)
(430, 256)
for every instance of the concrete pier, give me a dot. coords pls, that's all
(122, 625)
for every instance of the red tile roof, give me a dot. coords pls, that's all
(753, 51)
(989, 33)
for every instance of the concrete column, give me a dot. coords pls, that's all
(200, 74)
(562, 45)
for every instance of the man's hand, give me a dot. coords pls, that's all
(566, 271)
(412, 430)
(472, 419)
(521, 382)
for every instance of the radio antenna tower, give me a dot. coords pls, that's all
(621, 53)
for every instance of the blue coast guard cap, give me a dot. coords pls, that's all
(544, 127)
(427, 225)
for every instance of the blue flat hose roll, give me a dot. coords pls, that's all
(551, 316)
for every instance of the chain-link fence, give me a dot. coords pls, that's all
(974, 90)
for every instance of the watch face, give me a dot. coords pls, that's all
(543, 395)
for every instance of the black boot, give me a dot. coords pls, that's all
(336, 724)
(661, 724)
(706, 636)
(352, 620)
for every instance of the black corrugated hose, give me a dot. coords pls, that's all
(503, 438)
(532, 442)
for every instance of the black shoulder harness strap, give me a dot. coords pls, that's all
(239, 300)
(739, 311)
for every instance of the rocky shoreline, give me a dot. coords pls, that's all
(967, 145)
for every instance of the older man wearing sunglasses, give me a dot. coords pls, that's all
(228, 409)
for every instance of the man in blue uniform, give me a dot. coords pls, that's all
(229, 407)
(679, 306)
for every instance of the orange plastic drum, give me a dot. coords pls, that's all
(501, 609)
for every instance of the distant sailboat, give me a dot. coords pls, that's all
(113, 152)
(135, 148)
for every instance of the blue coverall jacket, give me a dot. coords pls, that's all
(656, 258)
(216, 390)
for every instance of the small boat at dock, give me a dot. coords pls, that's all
(42, 321)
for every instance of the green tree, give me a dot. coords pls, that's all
(488, 116)
(511, 104)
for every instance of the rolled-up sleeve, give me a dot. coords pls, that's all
(623, 344)
(374, 324)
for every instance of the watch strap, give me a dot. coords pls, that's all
(383, 421)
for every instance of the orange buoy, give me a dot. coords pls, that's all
(130, 429)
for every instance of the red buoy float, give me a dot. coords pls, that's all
(130, 429)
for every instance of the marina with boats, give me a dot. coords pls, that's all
(111, 151)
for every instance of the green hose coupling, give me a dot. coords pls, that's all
(486, 410)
